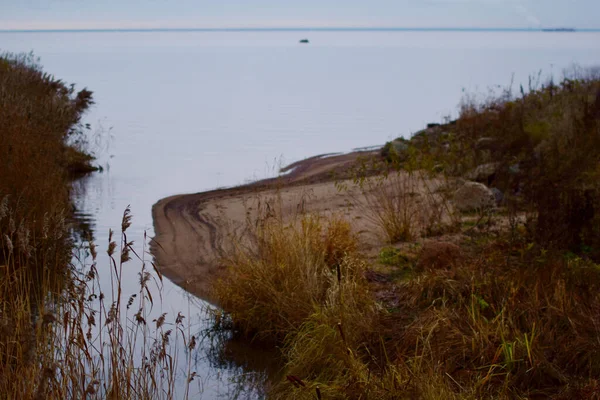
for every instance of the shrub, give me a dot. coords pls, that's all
(40, 117)
(274, 282)
(546, 144)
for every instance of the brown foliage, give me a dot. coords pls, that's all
(39, 120)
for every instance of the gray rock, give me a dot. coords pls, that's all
(400, 145)
(486, 143)
(474, 196)
(514, 169)
(483, 172)
(432, 135)
(396, 150)
(498, 195)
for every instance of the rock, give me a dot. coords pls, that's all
(400, 145)
(483, 173)
(438, 255)
(395, 150)
(474, 196)
(486, 143)
(431, 134)
(438, 168)
(498, 195)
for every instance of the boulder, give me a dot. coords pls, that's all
(486, 143)
(474, 196)
(431, 134)
(498, 195)
(483, 173)
(400, 145)
(395, 150)
(438, 255)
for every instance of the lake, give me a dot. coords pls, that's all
(181, 112)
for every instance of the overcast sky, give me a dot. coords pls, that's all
(79, 14)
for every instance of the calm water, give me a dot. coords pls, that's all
(180, 112)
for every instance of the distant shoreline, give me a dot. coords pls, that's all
(296, 29)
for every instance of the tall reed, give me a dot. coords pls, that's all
(90, 341)
(63, 332)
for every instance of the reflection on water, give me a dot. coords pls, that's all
(257, 364)
(252, 365)
(224, 367)
(84, 221)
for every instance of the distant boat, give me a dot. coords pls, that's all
(304, 41)
(558, 30)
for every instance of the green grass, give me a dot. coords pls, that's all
(392, 257)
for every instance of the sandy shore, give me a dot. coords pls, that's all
(191, 229)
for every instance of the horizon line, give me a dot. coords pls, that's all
(301, 29)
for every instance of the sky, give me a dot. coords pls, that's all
(141, 14)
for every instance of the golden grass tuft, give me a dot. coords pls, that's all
(405, 205)
(275, 280)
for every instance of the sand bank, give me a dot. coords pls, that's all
(192, 228)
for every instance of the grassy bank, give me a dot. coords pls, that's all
(40, 125)
(497, 300)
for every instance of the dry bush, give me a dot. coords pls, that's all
(281, 270)
(40, 119)
(406, 204)
(545, 143)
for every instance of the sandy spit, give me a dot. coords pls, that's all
(191, 229)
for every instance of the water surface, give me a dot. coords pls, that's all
(181, 112)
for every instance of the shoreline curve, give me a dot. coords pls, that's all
(188, 228)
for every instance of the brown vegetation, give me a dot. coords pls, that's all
(62, 335)
(508, 308)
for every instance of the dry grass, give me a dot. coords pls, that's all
(545, 142)
(514, 315)
(527, 328)
(281, 270)
(406, 204)
(474, 329)
(390, 202)
(63, 335)
(88, 341)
